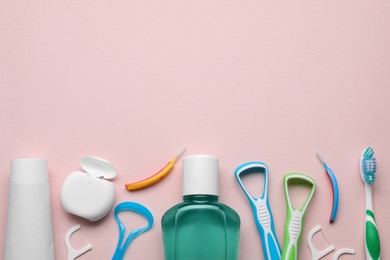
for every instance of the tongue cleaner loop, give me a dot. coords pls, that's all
(123, 243)
(250, 168)
(294, 217)
(72, 253)
(302, 180)
(316, 255)
(261, 209)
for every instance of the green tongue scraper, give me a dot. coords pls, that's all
(294, 217)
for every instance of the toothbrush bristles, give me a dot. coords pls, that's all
(368, 153)
(368, 165)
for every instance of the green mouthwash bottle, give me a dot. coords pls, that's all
(200, 228)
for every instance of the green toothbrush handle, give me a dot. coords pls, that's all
(373, 247)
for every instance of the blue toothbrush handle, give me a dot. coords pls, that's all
(265, 224)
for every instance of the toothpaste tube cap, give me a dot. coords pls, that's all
(29, 170)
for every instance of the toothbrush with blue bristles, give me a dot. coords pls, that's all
(371, 235)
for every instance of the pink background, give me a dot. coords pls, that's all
(133, 81)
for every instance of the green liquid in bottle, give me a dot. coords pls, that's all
(200, 228)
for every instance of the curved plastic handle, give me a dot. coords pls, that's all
(373, 247)
(294, 217)
(317, 254)
(137, 208)
(335, 189)
(73, 253)
(157, 176)
(349, 251)
(261, 210)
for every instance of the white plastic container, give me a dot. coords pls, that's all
(29, 232)
(89, 194)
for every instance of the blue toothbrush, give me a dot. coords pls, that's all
(261, 210)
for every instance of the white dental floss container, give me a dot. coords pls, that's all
(89, 194)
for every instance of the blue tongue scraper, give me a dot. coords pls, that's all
(261, 210)
(137, 208)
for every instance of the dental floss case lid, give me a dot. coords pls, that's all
(88, 194)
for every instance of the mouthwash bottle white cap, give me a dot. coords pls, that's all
(200, 175)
